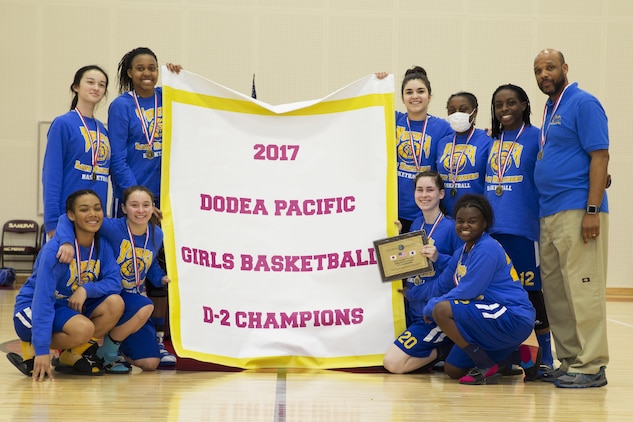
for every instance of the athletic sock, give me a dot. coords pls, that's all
(109, 349)
(545, 341)
(480, 357)
(527, 357)
(28, 352)
(79, 350)
(69, 356)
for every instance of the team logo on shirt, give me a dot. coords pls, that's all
(515, 158)
(125, 260)
(461, 157)
(148, 116)
(102, 147)
(405, 153)
(89, 272)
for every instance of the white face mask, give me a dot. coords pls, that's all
(460, 122)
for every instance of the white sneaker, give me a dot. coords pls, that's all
(166, 358)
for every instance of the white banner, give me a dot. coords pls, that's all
(270, 214)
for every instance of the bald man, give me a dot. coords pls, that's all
(571, 176)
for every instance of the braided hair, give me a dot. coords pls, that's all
(125, 82)
(497, 126)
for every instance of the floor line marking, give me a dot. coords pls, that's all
(280, 396)
(620, 322)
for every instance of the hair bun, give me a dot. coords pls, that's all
(415, 69)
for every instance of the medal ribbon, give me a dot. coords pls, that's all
(78, 260)
(453, 176)
(93, 153)
(137, 273)
(417, 159)
(437, 221)
(543, 130)
(145, 124)
(502, 169)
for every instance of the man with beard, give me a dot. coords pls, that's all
(571, 177)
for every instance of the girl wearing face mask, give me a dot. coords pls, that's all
(462, 156)
(417, 133)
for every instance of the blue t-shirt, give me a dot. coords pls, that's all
(516, 209)
(468, 161)
(436, 129)
(68, 165)
(146, 248)
(131, 163)
(562, 175)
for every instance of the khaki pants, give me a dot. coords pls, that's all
(574, 278)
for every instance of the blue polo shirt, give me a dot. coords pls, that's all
(562, 175)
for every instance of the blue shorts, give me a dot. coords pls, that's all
(133, 303)
(23, 324)
(141, 344)
(420, 338)
(492, 326)
(524, 255)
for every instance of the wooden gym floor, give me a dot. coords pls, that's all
(311, 395)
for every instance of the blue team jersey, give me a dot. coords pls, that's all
(132, 161)
(52, 281)
(68, 163)
(484, 273)
(516, 209)
(423, 151)
(447, 242)
(562, 175)
(468, 164)
(146, 248)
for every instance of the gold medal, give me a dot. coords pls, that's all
(149, 154)
(453, 192)
(540, 155)
(499, 190)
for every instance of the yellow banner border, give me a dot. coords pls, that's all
(170, 96)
